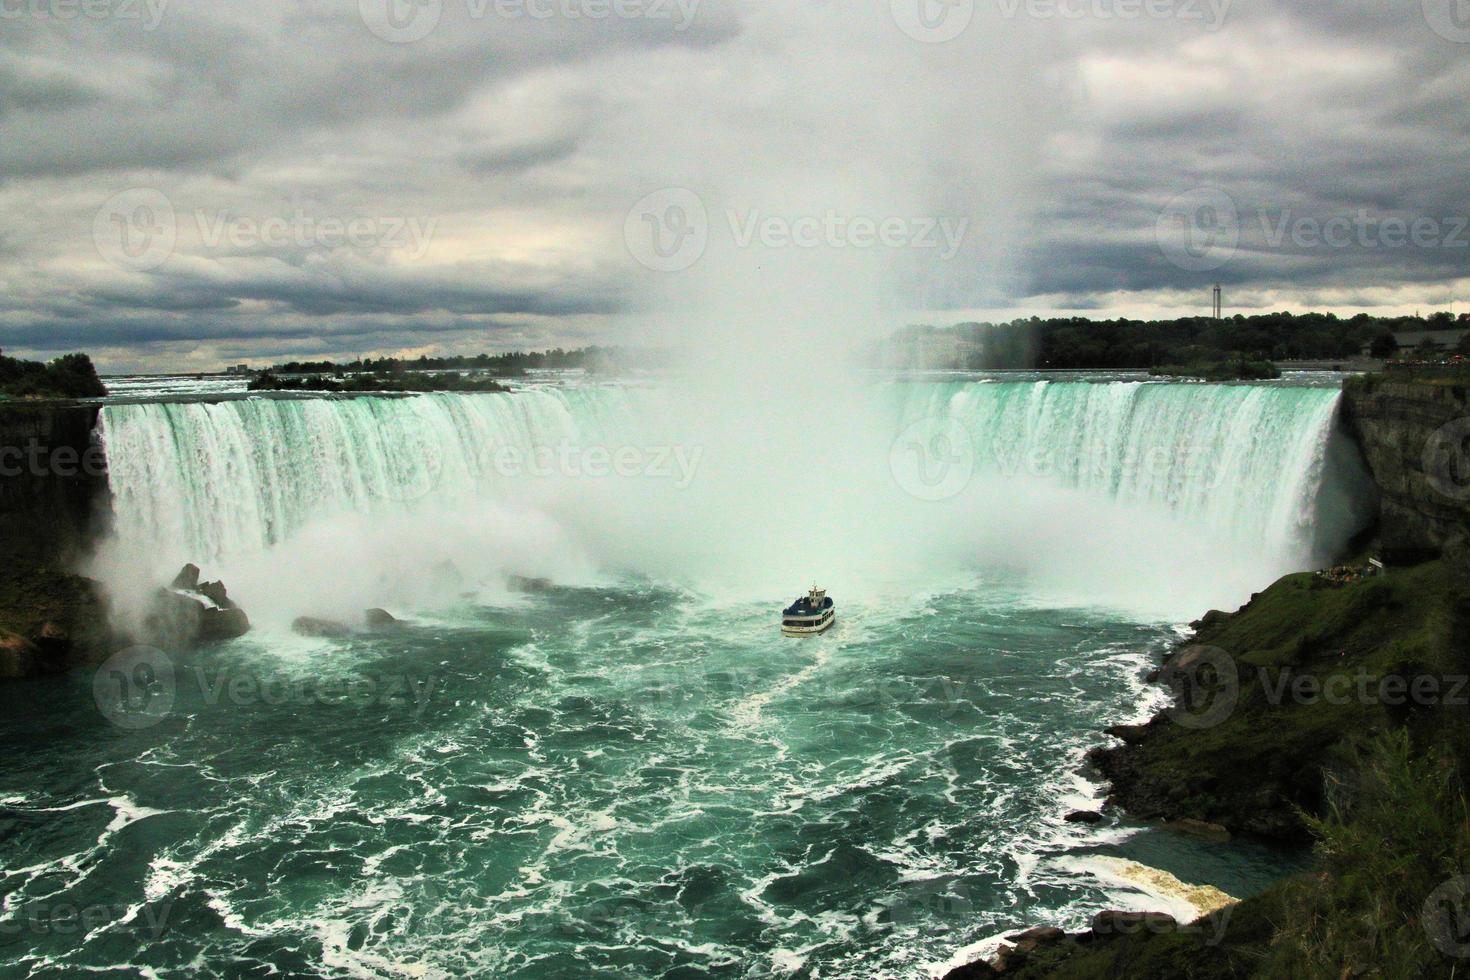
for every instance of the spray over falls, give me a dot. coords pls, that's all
(1057, 478)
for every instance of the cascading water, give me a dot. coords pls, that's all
(632, 773)
(1247, 470)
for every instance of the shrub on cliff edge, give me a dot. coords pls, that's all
(70, 376)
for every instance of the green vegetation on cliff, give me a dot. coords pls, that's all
(71, 376)
(1326, 710)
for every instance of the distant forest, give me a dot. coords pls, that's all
(509, 365)
(1080, 343)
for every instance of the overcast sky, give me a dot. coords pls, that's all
(185, 184)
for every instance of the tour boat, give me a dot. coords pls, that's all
(810, 614)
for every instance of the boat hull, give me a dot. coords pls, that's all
(809, 629)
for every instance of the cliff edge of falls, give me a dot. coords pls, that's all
(53, 509)
(1415, 436)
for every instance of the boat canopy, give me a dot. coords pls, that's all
(805, 607)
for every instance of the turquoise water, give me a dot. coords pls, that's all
(632, 773)
(575, 786)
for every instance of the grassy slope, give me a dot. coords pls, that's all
(1381, 787)
(1257, 768)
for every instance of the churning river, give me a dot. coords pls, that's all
(624, 770)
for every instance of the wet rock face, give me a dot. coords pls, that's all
(190, 612)
(53, 506)
(53, 482)
(1415, 437)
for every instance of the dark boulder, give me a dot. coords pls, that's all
(191, 612)
(1202, 829)
(187, 579)
(1084, 816)
(520, 583)
(1210, 620)
(1115, 922)
(216, 593)
(379, 619)
(18, 656)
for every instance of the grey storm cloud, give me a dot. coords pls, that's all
(350, 176)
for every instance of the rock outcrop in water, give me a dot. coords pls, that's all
(1415, 436)
(189, 612)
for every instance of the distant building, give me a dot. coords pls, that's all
(239, 369)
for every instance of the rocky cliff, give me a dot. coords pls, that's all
(53, 507)
(1415, 435)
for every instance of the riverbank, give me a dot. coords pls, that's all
(1329, 712)
(1322, 713)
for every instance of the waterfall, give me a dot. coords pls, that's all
(1207, 490)
(1254, 460)
(214, 479)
